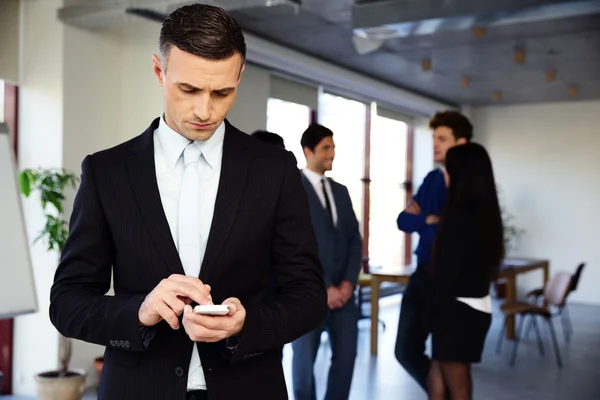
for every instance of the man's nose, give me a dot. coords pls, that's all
(203, 107)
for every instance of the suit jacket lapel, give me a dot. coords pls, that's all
(234, 170)
(314, 197)
(142, 175)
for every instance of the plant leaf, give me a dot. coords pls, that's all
(25, 183)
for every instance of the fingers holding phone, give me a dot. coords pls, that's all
(211, 323)
(169, 298)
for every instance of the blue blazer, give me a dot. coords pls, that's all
(340, 248)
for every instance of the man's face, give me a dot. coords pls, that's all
(198, 92)
(321, 159)
(444, 140)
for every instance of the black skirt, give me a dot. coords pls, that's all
(458, 333)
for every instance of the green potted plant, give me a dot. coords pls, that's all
(64, 383)
(512, 233)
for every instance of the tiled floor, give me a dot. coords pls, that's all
(533, 377)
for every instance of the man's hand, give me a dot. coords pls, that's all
(208, 328)
(346, 290)
(169, 297)
(432, 219)
(413, 208)
(334, 297)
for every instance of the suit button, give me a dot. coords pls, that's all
(112, 343)
(122, 343)
(179, 371)
(127, 344)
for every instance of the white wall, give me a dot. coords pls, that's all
(547, 164)
(249, 111)
(141, 96)
(40, 145)
(91, 121)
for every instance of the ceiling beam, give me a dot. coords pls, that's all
(372, 14)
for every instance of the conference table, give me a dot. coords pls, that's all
(511, 268)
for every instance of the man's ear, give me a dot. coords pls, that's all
(158, 69)
(461, 140)
(241, 72)
(307, 152)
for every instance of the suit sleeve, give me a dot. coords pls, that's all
(411, 223)
(455, 245)
(354, 246)
(300, 303)
(79, 306)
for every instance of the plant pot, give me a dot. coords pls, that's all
(51, 386)
(98, 363)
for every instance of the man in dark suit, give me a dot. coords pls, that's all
(340, 251)
(193, 211)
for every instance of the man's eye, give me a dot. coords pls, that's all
(187, 90)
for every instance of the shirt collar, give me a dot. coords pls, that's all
(173, 144)
(313, 177)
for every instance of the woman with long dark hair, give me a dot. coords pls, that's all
(467, 253)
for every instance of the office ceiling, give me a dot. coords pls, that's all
(469, 52)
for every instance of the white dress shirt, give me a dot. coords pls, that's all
(315, 179)
(168, 157)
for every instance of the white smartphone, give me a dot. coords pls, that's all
(212, 309)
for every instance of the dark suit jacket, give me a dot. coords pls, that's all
(340, 249)
(261, 227)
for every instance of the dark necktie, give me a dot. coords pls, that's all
(327, 202)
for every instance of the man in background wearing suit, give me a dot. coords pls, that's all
(340, 251)
(192, 211)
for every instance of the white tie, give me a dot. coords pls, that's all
(188, 224)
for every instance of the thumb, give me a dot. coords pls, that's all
(233, 303)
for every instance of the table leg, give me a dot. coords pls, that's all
(374, 313)
(511, 297)
(546, 277)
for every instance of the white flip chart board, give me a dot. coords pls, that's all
(17, 286)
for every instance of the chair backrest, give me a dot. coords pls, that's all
(557, 289)
(576, 276)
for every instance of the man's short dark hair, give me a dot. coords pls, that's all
(202, 30)
(313, 135)
(269, 137)
(460, 125)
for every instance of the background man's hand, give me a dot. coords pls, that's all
(413, 208)
(334, 297)
(169, 297)
(346, 290)
(209, 328)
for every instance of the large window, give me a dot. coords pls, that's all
(347, 119)
(388, 164)
(289, 120)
